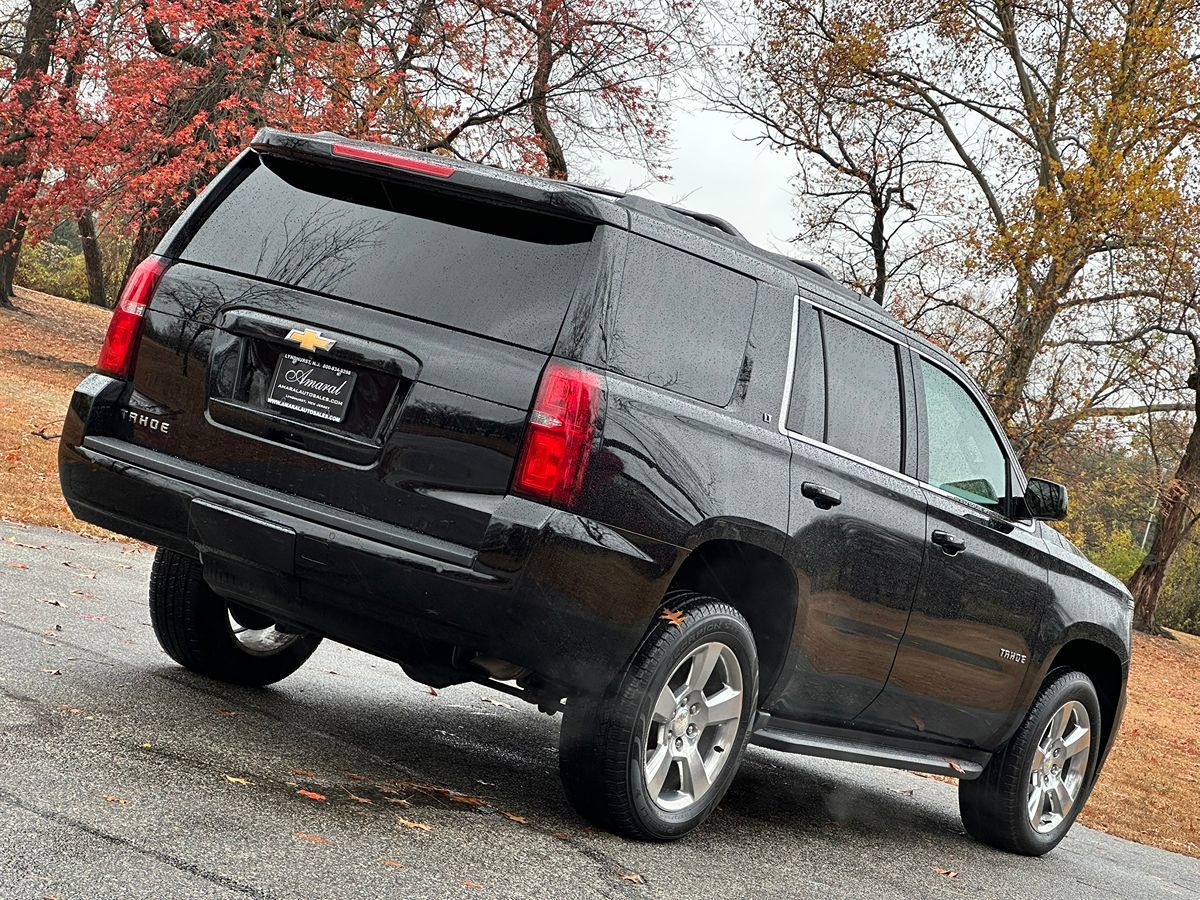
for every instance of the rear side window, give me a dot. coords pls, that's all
(864, 415)
(502, 273)
(806, 407)
(682, 322)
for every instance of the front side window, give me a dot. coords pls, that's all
(965, 458)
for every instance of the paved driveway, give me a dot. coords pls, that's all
(122, 775)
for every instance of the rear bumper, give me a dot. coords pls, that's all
(567, 597)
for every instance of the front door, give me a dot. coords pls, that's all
(983, 589)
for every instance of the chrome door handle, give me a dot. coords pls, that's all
(951, 544)
(821, 496)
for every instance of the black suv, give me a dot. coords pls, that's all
(605, 455)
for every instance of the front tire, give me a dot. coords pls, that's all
(203, 632)
(654, 756)
(1031, 792)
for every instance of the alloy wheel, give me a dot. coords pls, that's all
(691, 733)
(1059, 768)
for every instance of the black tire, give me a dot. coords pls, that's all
(603, 741)
(996, 806)
(192, 624)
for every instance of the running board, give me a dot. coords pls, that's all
(794, 739)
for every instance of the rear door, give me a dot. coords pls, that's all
(857, 519)
(984, 588)
(366, 343)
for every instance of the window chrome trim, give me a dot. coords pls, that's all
(1030, 526)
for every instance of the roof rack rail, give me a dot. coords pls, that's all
(813, 267)
(708, 219)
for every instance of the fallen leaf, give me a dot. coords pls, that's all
(520, 820)
(311, 795)
(907, 793)
(394, 864)
(358, 799)
(416, 826)
(52, 671)
(673, 616)
(233, 779)
(109, 798)
(945, 873)
(304, 773)
(226, 712)
(919, 722)
(397, 800)
(632, 876)
(16, 565)
(955, 765)
(496, 702)
(95, 618)
(468, 883)
(433, 692)
(485, 783)
(50, 602)
(73, 710)
(312, 838)
(147, 746)
(354, 776)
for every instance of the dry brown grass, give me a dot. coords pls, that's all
(1150, 790)
(47, 346)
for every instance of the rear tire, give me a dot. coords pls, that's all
(632, 765)
(1031, 792)
(200, 631)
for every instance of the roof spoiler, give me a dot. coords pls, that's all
(440, 173)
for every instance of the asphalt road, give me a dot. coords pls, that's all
(123, 776)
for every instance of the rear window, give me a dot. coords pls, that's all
(682, 322)
(500, 272)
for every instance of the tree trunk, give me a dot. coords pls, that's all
(93, 261)
(556, 161)
(33, 60)
(1175, 518)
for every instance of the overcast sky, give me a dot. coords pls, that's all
(714, 170)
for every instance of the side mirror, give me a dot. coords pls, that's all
(1045, 499)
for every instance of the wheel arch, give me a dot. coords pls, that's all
(759, 584)
(1107, 673)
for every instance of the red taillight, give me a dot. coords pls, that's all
(125, 328)
(559, 436)
(425, 167)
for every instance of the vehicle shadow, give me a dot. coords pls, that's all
(460, 751)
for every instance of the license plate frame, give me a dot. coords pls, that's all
(314, 389)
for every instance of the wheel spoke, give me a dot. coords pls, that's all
(1062, 721)
(1039, 757)
(1077, 742)
(664, 708)
(695, 777)
(703, 663)
(724, 706)
(657, 769)
(1061, 800)
(1037, 805)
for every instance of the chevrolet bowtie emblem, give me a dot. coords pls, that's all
(309, 339)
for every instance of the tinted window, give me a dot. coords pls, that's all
(806, 410)
(682, 322)
(502, 273)
(965, 458)
(864, 410)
